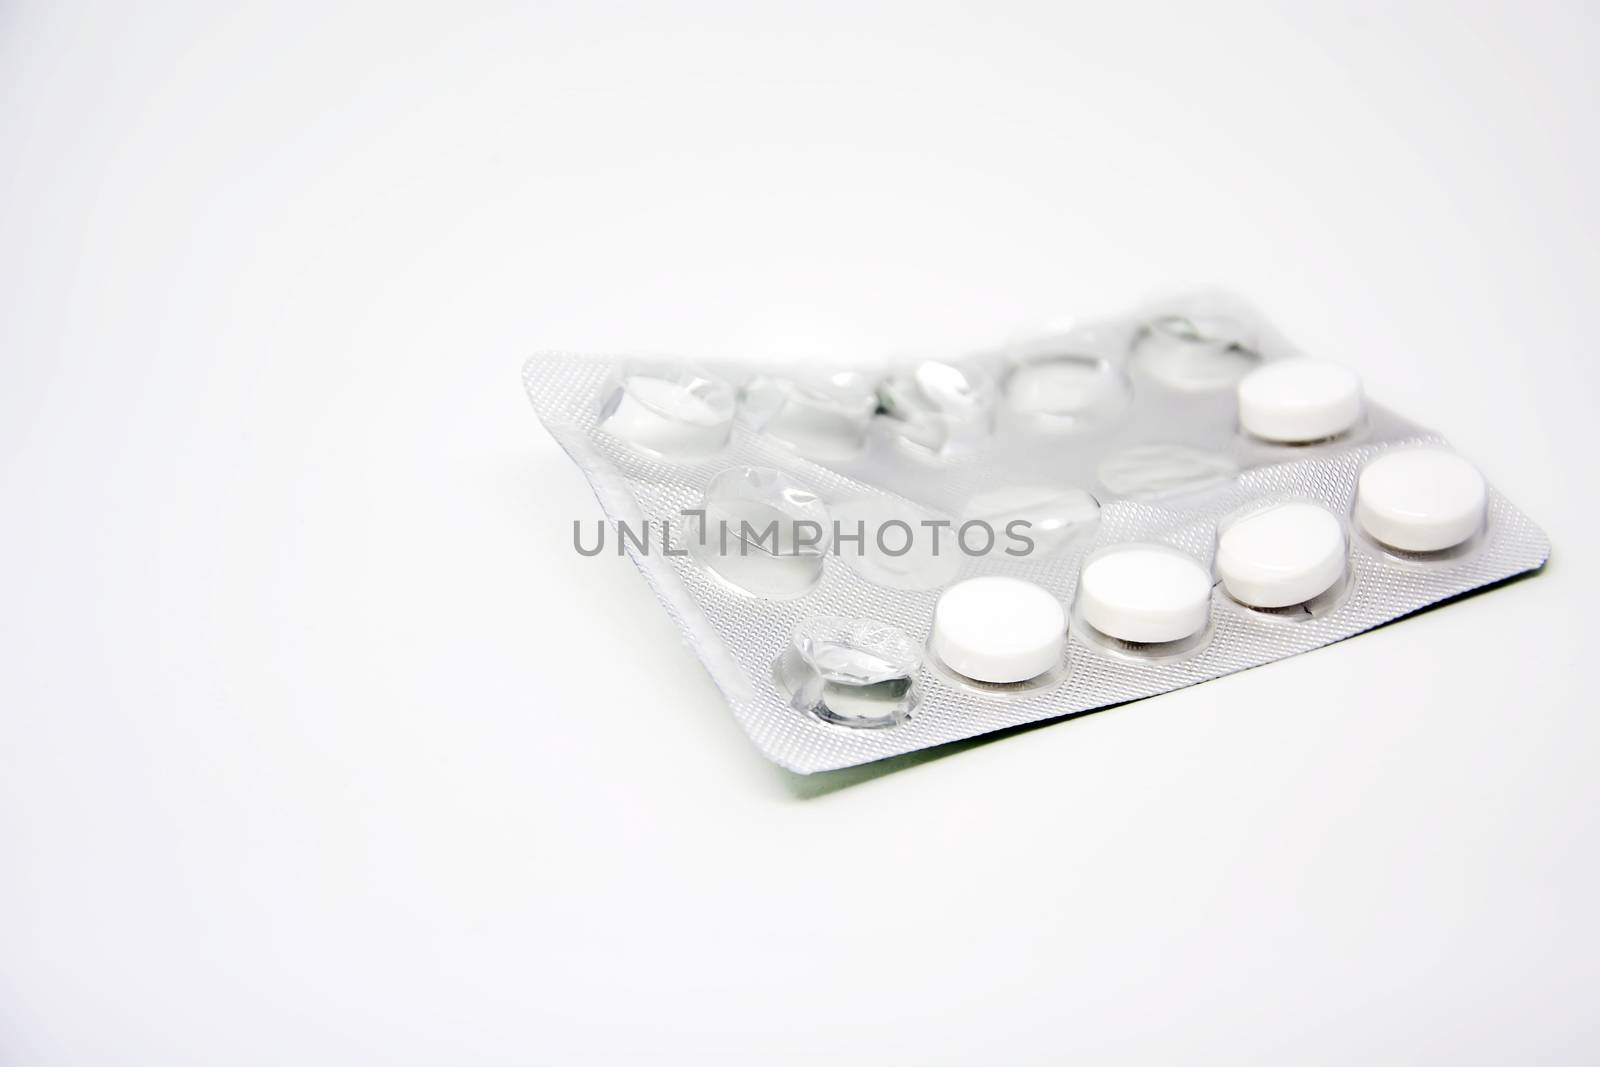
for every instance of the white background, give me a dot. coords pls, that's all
(318, 745)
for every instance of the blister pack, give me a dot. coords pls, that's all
(874, 563)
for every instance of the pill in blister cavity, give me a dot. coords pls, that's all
(999, 630)
(761, 532)
(1064, 389)
(938, 405)
(823, 415)
(1196, 351)
(854, 672)
(1053, 515)
(1145, 594)
(685, 415)
(1299, 400)
(1283, 555)
(973, 439)
(893, 543)
(1421, 500)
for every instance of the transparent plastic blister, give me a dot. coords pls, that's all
(819, 517)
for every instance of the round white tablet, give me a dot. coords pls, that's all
(686, 417)
(1421, 499)
(1284, 555)
(999, 629)
(1299, 400)
(1145, 593)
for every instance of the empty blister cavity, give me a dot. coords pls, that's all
(999, 630)
(1064, 390)
(1197, 351)
(822, 415)
(1421, 500)
(890, 542)
(1297, 401)
(1145, 595)
(1165, 468)
(1049, 517)
(681, 415)
(1153, 470)
(1282, 555)
(761, 532)
(936, 406)
(853, 672)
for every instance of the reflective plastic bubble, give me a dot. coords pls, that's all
(1196, 351)
(1065, 389)
(853, 672)
(937, 406)
(824, 415)
(684, 416)
(1053, 515)
(761, 532)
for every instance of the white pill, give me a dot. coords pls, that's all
(999, 629)
(686, 417)
(1421, 499)
(1299, 400)
(1284, 555)
(1145, 593)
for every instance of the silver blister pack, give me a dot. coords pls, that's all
(1038, 460)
